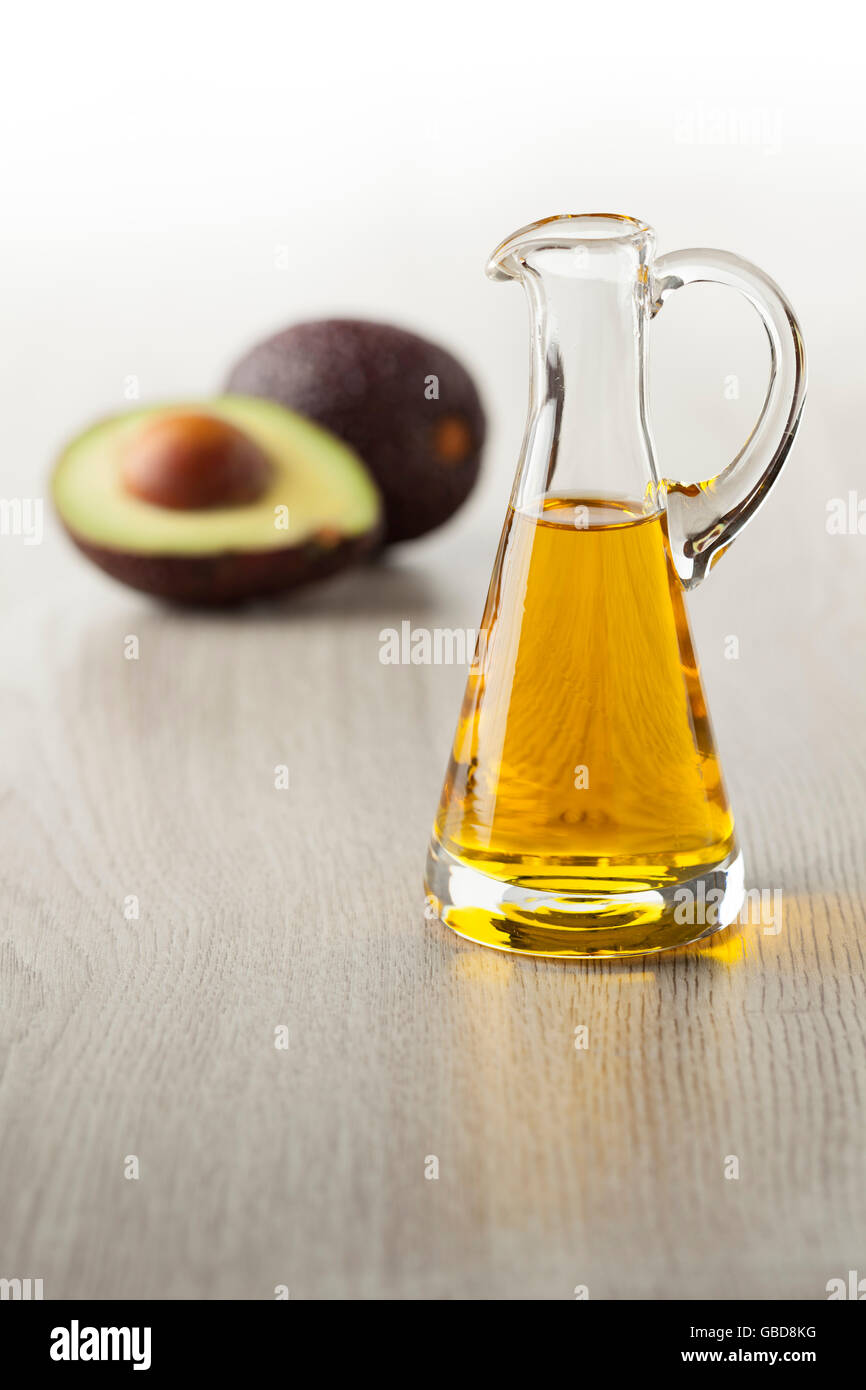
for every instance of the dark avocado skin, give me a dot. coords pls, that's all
(217, 581)
(366, 383)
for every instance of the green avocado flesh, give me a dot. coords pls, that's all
(322, 484)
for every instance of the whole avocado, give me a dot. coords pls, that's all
(406, 406)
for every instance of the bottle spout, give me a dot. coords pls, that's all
(591, 231)
(586, 278)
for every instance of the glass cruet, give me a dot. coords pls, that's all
(584, 810)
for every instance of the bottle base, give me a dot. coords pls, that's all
(534, 922)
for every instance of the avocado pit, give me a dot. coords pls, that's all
(193, 462)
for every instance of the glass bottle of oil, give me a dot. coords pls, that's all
(584, 810)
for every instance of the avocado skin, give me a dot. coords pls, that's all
(365, 382)
(230, 578)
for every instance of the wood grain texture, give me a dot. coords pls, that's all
(304, 907)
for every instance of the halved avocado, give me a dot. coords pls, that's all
(212, 502)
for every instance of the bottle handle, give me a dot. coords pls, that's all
(704, 518)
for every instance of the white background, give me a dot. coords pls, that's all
(180, 179)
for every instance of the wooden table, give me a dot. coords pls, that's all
(261, 909)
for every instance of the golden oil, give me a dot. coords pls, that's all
(584, 768)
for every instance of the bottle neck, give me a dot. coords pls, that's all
(587, 432)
